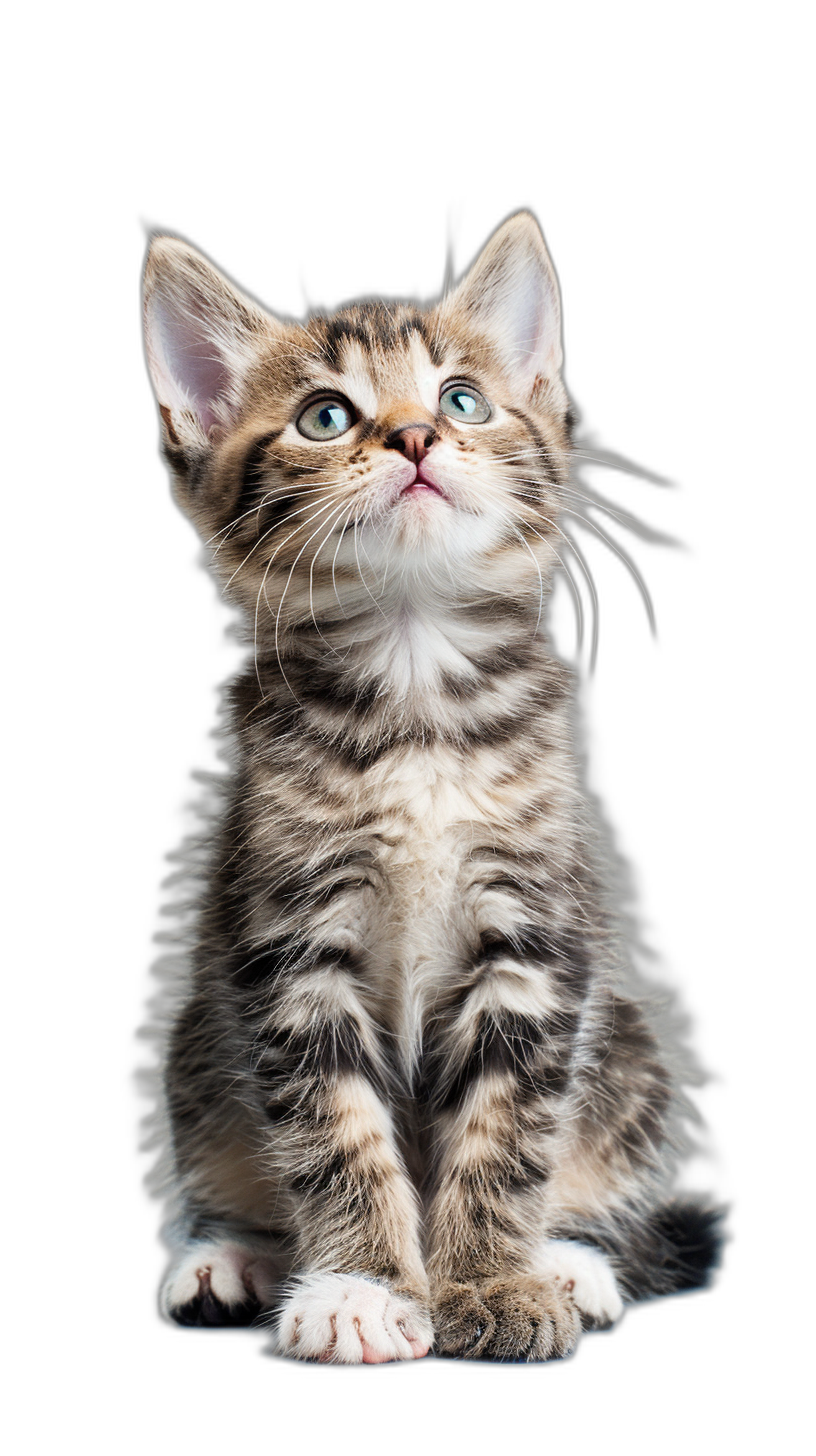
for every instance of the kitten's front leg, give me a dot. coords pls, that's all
(497, 1078)
(362, 1295)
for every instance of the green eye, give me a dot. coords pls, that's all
(463, 402)
(325, 419)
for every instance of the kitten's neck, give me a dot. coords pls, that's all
(407, 674)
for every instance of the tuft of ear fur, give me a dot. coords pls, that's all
(201, 335)
(511, 295)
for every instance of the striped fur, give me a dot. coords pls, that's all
(407, 1056)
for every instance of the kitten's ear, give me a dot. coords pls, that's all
(511, 295)
(201, 337)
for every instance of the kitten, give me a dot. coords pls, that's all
(411, 1102)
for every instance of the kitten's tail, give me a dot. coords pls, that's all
(677, 1246)
(689, 1239)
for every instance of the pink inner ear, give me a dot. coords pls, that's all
(533, 321)
(512, 294)
(192, 361)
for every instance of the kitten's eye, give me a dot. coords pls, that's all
(463, 402)
(325, 419)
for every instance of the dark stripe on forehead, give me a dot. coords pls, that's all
(376, 327)
(337, 331)
(416, 323)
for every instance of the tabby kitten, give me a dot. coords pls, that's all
(411, 1102)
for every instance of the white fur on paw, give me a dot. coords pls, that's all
(353, 1320)
(586, 1275)
(233, 1273)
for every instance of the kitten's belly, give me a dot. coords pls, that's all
(418, 941)
(434, 810)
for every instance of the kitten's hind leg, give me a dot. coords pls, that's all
(673, 1247)
(223, 1279)
(586, 1275)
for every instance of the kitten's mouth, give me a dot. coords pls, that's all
(421, 485)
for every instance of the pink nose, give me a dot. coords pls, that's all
(414, 441)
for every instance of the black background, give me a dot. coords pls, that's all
(643, 223)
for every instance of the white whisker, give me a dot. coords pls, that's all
(278, 525)
(262, 589)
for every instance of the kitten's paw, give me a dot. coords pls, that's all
(586, 1275)
(518, 1317)
(463, 1323)
(218, 1284)
(352, 1320)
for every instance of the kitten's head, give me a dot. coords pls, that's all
(387, 452)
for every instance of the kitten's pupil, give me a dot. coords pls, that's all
(461, 403)
(325, 420)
